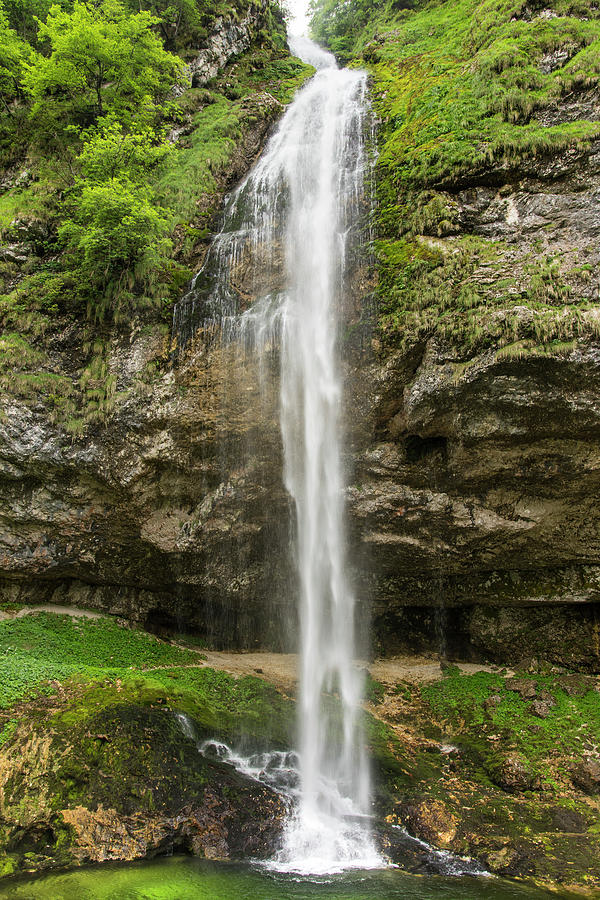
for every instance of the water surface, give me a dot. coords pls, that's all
(185, 878)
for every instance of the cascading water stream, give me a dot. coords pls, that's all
(326, 180)
(290, 231)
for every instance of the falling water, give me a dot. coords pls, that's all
(276, 277)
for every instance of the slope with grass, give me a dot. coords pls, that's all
(94, 763)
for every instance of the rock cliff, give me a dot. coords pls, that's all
(473, 414)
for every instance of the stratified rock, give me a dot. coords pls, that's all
(228, 39)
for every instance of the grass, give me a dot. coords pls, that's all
(20, 202)
(225, 115)
(41, 647)
(571, 728)
(99, 663)
(102, 663)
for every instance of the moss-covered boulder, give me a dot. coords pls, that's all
(123, 782)
(97, 762)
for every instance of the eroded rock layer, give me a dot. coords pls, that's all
(472, 408)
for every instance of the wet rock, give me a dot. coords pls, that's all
(577, 685)
(541, 708)
(429, 820)
(585, 775)
(491, 703)
(569, 821)
(511, 861)
(122, 784)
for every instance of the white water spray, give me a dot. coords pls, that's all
(292, 229)
(326, 179)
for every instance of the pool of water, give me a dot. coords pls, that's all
(185, 878)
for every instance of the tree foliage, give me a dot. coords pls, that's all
(178, 23)
(110, 152)
(24, 16)
(13, 55)
(115, 233)
(101, 60)
(86, 95)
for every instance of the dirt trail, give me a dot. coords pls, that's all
(74, 611)
(280, 668)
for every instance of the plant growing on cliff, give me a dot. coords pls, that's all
(116, 235)
(100, 60)
(470, 93)
(116, 241)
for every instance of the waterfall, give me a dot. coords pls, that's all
(276, 276)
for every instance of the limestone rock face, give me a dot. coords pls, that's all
(479, 501)
(473, 477)
(168, 516)
(477, 470)
(227, 40)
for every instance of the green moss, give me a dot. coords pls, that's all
(41, 647)
(573, 723)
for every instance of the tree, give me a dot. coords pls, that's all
(117, 244)
(13, 53)
(179, 22)
(117, 235)
(102, 60)
(109, 152)
(24, 16)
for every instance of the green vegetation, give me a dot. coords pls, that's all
(101, 663)
(42, 647)
(101, 61)
(221, 114)
(490, 721)
(103, 211)
(461, 89)
(90, 664)
(87, 712)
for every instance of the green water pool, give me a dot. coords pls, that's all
(184, 878)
